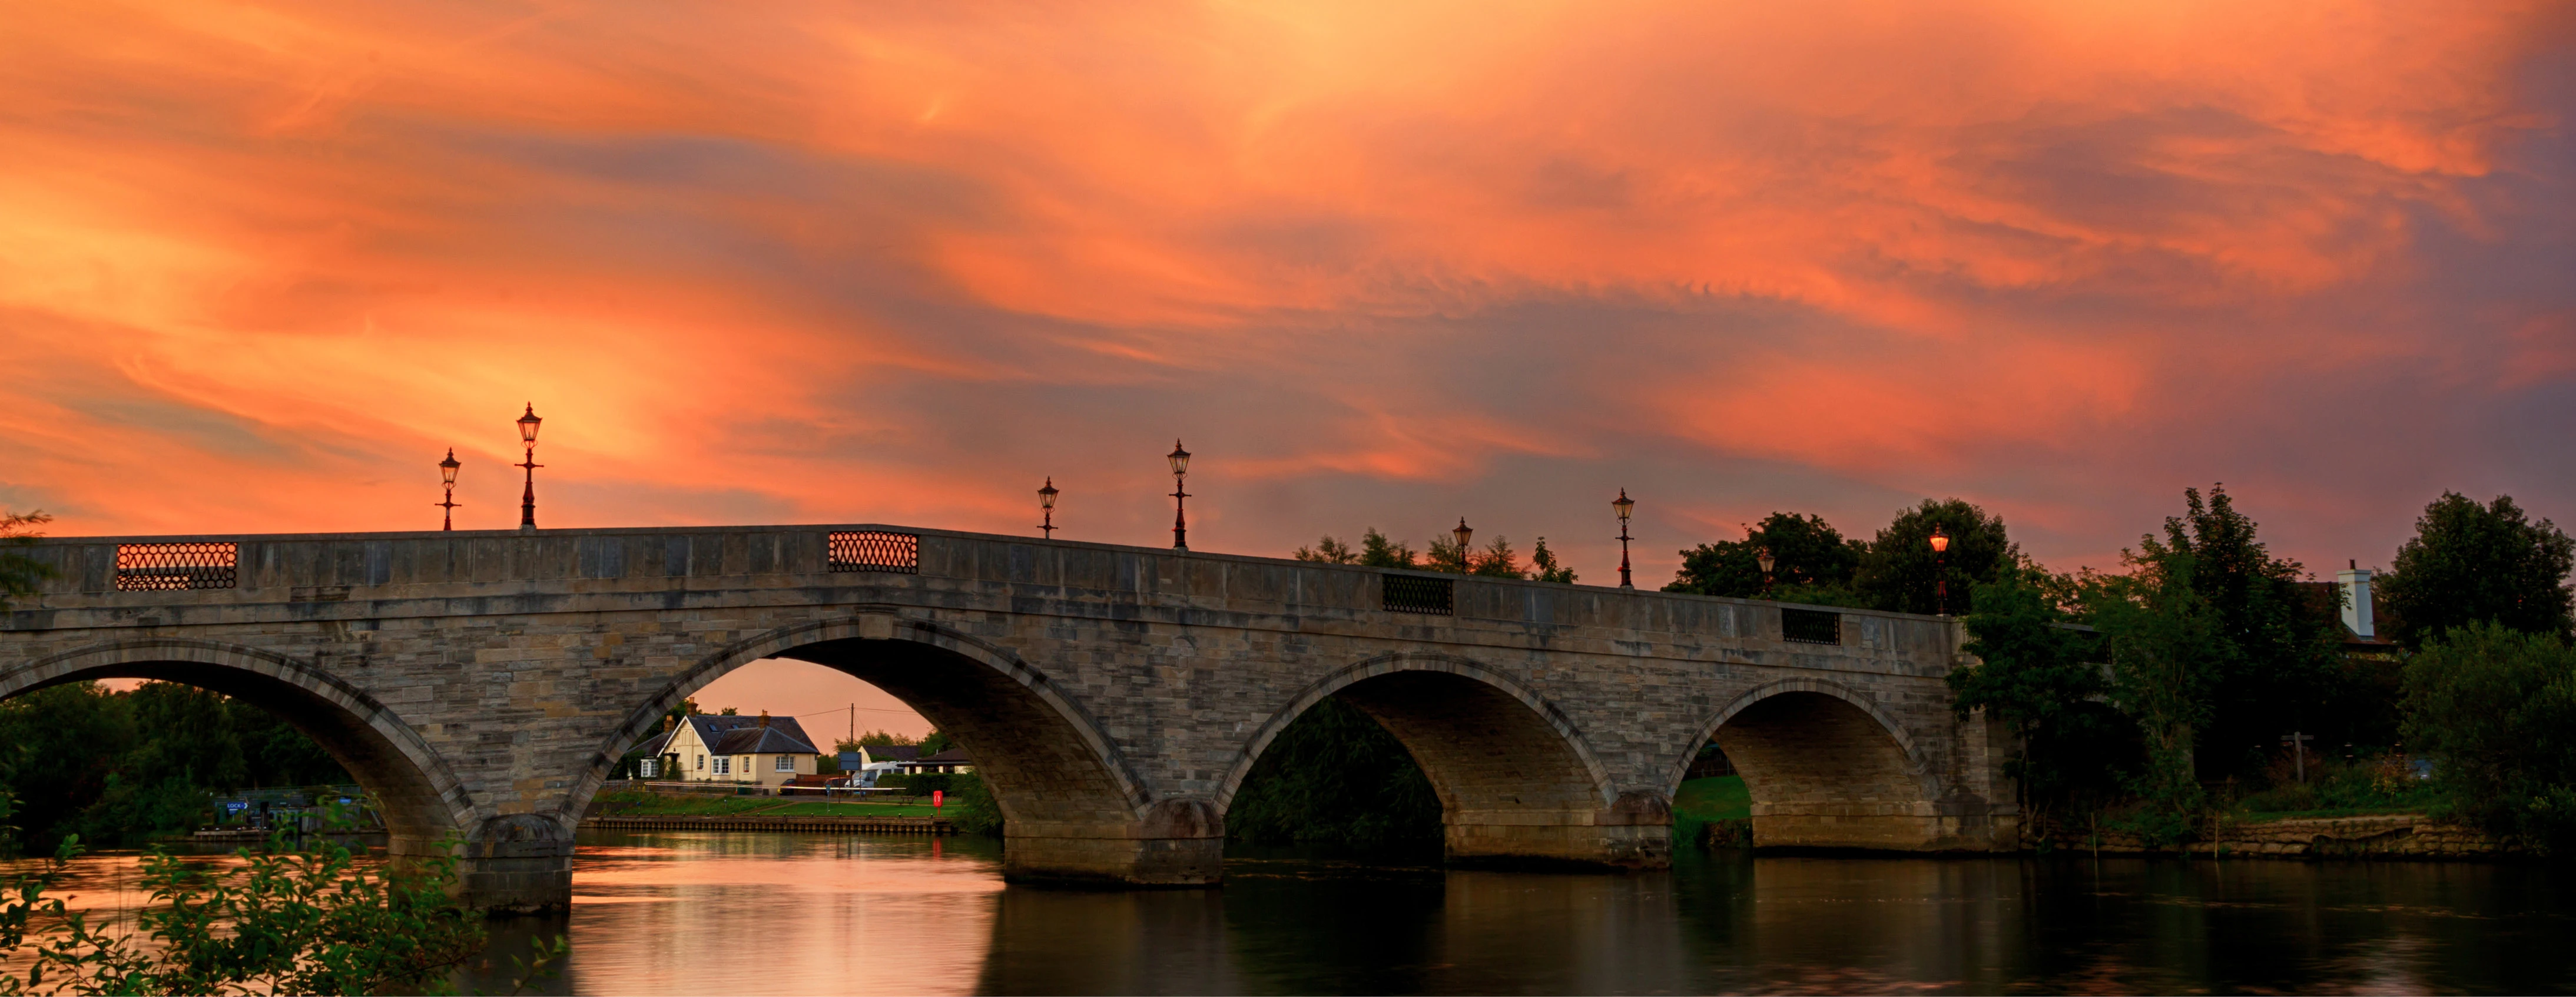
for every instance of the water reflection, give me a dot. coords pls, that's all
(711, 913)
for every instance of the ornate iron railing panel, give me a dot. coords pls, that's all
(176, 566)
(1809, 626)
(876, 550)
(1415, 594)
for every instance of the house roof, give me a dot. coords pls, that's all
(739, 735)
(952, 756)
(654, 745)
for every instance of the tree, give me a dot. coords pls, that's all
(1808, 556)
(1375, 551)
(2037, 674)
(2163, 640)
(20, 574)
(2469, 563)
(2496, 708)
(1334, 776)
(935, 742)
(2273, 670)
(1898, 571)
(1543, 566)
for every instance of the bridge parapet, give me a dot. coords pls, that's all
(382, 575)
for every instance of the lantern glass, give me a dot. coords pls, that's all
(1624, 505)
(1940, 540)
(1046, 495)
(1180, 459)
(1463, 533)
(447, 468)
(1764, 556)
(528, 426)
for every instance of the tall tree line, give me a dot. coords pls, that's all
(121, 767)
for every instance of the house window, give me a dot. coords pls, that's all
(645, 768)
(787, 763)
(702, 763)
(746, 765)
(724, 766)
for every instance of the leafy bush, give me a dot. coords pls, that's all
(1335, 777)
(2497, 711)
(970, 806)
(2333, 786)
(285, 921)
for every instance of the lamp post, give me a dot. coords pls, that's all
(1624, 505)
(1464, 533)
(528, 499)
(1940, 577)
(447, 477)
(1180, 497)
(1762, 556)
(1046, 503)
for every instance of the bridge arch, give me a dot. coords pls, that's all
(1062, 786)
(1826, 767)
(1514, 774)
(422, 798)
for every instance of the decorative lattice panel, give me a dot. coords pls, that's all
(168, 567)
(1415, 594)
(874, 550)
(1809, 626)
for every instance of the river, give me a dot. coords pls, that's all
(690, 913)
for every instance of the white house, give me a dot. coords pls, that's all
(758, 750)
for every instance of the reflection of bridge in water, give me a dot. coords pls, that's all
(484, 683)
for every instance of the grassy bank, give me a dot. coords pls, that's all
(649, 804)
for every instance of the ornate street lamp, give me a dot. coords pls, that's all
(1180, 497)
(1762, 556)
(1463, 533)
(1624, 505)
(1940, 577)
(1046, 502)
(447, 477)
(528, 499)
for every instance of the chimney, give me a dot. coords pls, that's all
(667, 722)
(2355, 583)
(764, 718)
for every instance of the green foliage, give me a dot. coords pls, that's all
(1375, 551)
(2338, 788)
(2274, 663)
(1898, 571)
(969, 805)
(1699, 802)
(871, 739)
(935, 742)
(2039, 675)
(2469, 563)
(1496, 560)
(2163, 641)
(119, 768)
(2496, 709)
(285, 921)
(1543, 566)
(1809, 558)
(1335, 777)
(20, 574)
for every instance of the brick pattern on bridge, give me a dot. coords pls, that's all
(1115, 696)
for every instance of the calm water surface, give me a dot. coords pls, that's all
(685, 913)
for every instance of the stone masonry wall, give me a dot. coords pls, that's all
(1118, 694)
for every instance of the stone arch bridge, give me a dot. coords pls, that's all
(483, 684)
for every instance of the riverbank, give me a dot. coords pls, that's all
(651, 811)
(2377, 836)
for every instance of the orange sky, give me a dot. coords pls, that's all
(260, 263)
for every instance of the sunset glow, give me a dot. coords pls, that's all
(262, 263)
